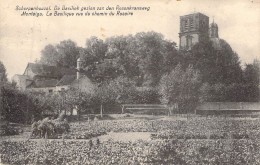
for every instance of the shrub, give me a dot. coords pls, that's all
(50, 128)
(7, 130)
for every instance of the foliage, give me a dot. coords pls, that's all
(142, 57)
(144, 96)
(215, 66)
(6, 129)
(50, 128)
(50, 55)
(123, 88)
(235, 92)
(14, 108)
(3, 75)
(64, 54)
(146, 56)
(191, 148)
(104, 95)
(180, 87)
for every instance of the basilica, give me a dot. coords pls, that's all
(195, 28)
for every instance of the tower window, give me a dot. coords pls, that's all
(186, 24)
(191, 23)
(188, 42)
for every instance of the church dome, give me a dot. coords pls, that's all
(216, 43)
(213, 25)
(220, 44)
(213, 30)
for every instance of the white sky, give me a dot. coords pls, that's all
(22, 38)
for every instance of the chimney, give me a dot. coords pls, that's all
(79, 63)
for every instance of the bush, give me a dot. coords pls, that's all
(50, 128)
(146, 96)
(8, 130)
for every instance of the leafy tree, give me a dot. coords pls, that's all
(150, 56)
(251, 79)
(95, 50)
(122, 50)
(171, 56)
(75, 98)
(64, 54)
(3, 75)
(123, 88)
(180, 87)
(252, 73)
(69, 53)
(145, 96)
(50, 56)
(106, 70)
(215, 66)
(104, 95)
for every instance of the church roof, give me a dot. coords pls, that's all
(195, 13)
(213, 24)
(216, 43)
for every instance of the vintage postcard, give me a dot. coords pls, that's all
(130, 82)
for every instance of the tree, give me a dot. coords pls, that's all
(215, 66)
(106, 70)
(64, 54)
(251, 79)
(180, 87)
(69, 53)
(171, 56)
(122, 50)
(150, 56)
(50, 56)
(76, 98)
(104, 95)
(3, 75)
(95, 50)
(252, 73)
(123, 88)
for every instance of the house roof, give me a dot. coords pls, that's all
(70, 79)
(44, 83)
(21, 76)
(49, 71)
(66, 80)
(51, 76)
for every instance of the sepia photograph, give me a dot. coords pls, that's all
(130, 82)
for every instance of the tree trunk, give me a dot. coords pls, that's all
(101, 111)
(78, 113)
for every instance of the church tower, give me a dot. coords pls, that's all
(193, 29)
(213, 36)
(213, 30)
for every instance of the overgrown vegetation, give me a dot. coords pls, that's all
(50, 128)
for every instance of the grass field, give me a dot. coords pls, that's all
(142, 139)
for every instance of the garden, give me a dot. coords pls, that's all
(197, 140)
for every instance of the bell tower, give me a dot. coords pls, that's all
(193, 28)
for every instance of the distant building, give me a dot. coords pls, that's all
(195, 28)
(49, 79)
